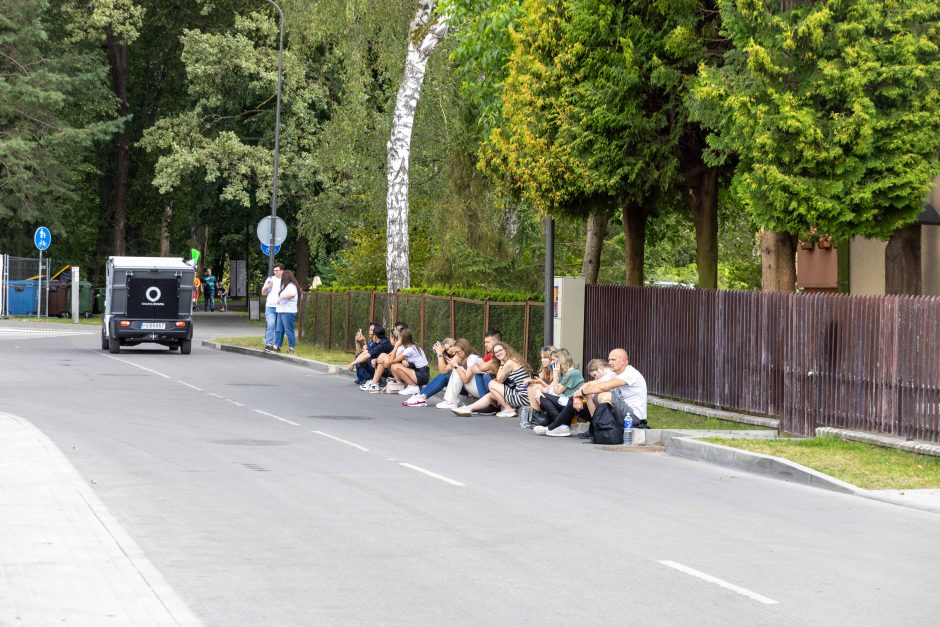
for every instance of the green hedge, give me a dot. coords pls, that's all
(502, 296)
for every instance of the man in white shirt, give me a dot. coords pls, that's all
(271, 288)
(627, 382)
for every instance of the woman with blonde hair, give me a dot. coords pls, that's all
(508, 389)
(566, 380)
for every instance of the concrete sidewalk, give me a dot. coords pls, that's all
(63, 558)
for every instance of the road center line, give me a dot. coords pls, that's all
(130, 363)
(189, 385)
(346, 442)
(264, 413)
(215, 395)
(235, 402)
(424, 471)
(719, 582)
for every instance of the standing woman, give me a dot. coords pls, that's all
(286, 311)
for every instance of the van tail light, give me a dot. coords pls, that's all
(181, 325)
(125, 323)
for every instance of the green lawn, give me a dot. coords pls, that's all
(665, 418)
(94, 321)
(864, 465)
(301, 350)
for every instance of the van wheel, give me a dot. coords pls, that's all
(114, 345)
(104, 341)
(186, 347)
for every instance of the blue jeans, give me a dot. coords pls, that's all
(285, 326)
(483, 383)
(436, 384)
(209, 301)
(270, 325)
(364, 371)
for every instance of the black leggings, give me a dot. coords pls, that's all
(568, 412)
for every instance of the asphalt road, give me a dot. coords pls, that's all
(268, 494)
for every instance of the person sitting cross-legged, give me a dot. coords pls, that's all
(507, 389)
(366, 361)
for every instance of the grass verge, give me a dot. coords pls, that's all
(665, 418)
(301, 350)
(864, 465)
(94, 321)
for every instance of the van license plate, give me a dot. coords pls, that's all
(152, 325)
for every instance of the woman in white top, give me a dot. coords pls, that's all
(410, 365)
(287, 297)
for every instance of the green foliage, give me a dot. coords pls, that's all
(54, 104)
(502, 296)
(833, 109)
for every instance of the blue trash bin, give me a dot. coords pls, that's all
(21, 298)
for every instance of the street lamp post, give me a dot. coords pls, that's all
(277, 136)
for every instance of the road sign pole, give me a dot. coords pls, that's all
(39, 290)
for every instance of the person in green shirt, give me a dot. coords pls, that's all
(566, 380)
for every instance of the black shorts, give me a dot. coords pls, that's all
(423, 375)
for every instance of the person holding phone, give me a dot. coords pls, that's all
(271, 289)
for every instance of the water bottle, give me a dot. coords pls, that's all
(628, 431)
(524, 417)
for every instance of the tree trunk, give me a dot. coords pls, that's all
(701, 183)
(594, 243)
(117, 55)
(778, 261)
(302, 261)
(634, 231)
(423, 37)
(903, 262)
(165, 231)
(200, 236)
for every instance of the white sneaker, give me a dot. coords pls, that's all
(410, 390)
(369, 386)
(563, 431)
(462, 411)
(506, 413)
(540, 430)
(415, 401)
(447, 405)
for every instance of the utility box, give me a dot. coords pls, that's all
(568, 315)
(148, 299)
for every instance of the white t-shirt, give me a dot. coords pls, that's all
(272, 295)
(633, 390)
(471, 360)
(287, 299)
(414, 355)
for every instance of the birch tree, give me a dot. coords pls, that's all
(426, 31)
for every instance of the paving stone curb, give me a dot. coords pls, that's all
(290, 359)
(715, 413)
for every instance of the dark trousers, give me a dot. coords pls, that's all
(364, 371)
(566, 414)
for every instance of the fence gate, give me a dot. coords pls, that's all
(20, 286)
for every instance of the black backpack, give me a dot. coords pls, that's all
(606, 425)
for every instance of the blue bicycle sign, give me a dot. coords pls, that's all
(42, 238)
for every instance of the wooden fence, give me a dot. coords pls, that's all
(330, 319)
(868, 363)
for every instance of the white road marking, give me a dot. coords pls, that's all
(424, 471)
(130, 363)
(264, 413)
(721, 582)
(189, 385)
(235, 402)
(215, 395)
(346, 442)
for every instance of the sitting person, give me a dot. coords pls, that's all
(384, 361)
(409, 366)
(508, 387)
(566, 380)
(362, 362)
(484, 370)
(367, 362)
(443, 351)
(462, 377)
(622, 379)
(543, 379)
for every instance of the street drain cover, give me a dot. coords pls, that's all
(250, 442)
(335, 417)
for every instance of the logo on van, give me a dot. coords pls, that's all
(153, 294)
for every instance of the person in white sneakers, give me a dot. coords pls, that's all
(463, 379)
(410, 365)
(507, 389)
(444, 351)
(626, 381)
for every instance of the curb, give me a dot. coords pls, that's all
(319, 366)
(715, 413)
(783, 469)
